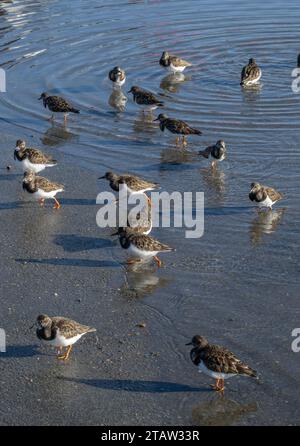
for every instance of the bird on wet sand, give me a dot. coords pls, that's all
(217, 362)
(133, 185)
(264, 196)
(251, 73)
(57, 104)
(173, 63)
(176, 126)
(141, 247)
(117, 76)
(60, 332)
(216, 151)
(31, 158)
(41, 188)
(145, 99)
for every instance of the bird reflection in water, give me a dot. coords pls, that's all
(265, 222)
(144, 123)
(215, 179)
(141, 280)
(172, 82)
(57, 134)
(220, 411)
(175, 156)
(117, 100)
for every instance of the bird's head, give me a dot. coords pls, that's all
(43, 96)
(43, 321)
(134, 90)
(20, 144)
(108, 176)
(198, 341)
(28, 176)
(161, 117)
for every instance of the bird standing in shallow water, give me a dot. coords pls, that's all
(42, 188)
(146, 99)
(31, 158)
(141, 247)
(173, 63)
(133, 184)
(251, 73)
(217, 362)
(117, 76)
(217, 151)
(263, 195)
(176, 126)
(56, 104)
(60, 332)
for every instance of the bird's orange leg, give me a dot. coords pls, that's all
(214, 164)
(65, 356)
(177, 140)
(221, 386)
(184, 141)
(159, 262)
(57, 204)
(216, 385)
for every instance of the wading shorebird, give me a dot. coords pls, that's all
(216, 151)
(141, 247)
(57, 104)
(31, 158)
(133, 185)
(251, 73)
(41, 188)
(173, 63)
(117, 76)
(145, 99)
(60, 332)
(217, 362)
(264, 196)
(177, 127)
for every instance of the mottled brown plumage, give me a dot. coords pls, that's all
(263, 195)
(145, 98)
(216, 151)
(217, 361)
(133, 182)
(34, 156)
(176, 126)
(173, 62)
(57, 104)
(251, 73)
(61, 332)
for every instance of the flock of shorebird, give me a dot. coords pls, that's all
(216, 361)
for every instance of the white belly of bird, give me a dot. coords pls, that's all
(202, 368)
(42, 194)
(254, 81)
(174, 69)
(120, 83)
(27, 165)
(140, 254)
(61, 341)
(267, 203)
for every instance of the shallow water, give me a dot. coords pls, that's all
(239, 283)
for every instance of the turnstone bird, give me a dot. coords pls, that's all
(176, 126)
(32, 159)
(141, 247)
(56, 104)
(143, 221)
(217, 151)
(117, 76)
(217, 362)
(264, 196)
(145, 99)
(60, 332)
(251, 73)
(41, 188)
(173, 63)
(133, 184)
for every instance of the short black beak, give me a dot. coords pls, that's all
(189, 343)
(101, 178)
(40, 97)
(129, 91)
(114, 233)
(157, 119)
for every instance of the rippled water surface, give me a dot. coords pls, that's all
(239, 283)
